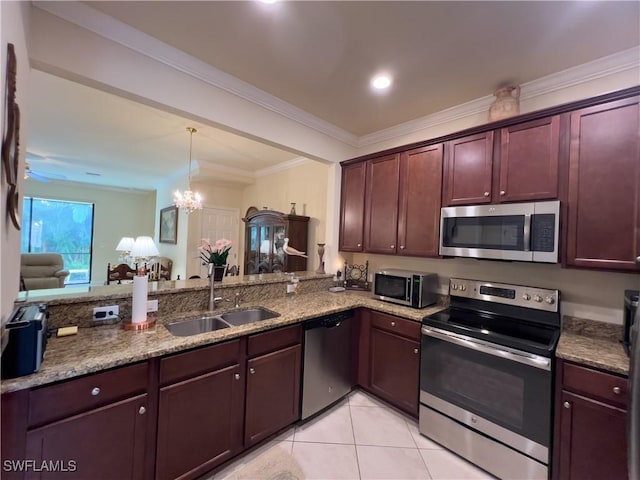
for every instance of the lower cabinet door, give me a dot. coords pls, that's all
(105, 443)
(199, 423)
(273, 393)
(593, 442)
(394, 369)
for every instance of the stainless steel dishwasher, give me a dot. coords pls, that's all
(327, 370)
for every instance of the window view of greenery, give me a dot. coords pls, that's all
(55, 226)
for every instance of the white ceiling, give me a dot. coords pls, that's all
(318, 56)
(76, 131)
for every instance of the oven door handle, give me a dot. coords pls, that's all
(486, 347)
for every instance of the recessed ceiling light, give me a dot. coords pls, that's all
(268, 1)
(381, 82)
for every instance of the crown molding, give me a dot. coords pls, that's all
(97, 22)
(463, 110)
(602, 67)
(282, 166)
(108, 27)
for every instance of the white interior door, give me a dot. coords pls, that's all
(217, 223)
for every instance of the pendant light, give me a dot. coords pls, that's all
(189, 200)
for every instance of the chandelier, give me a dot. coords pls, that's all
(189, 200)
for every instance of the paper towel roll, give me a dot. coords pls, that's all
(139, 301)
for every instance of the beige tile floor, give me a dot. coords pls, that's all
(359, 438)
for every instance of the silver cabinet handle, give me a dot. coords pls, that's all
(638, 260)
(142, 410)
(359, 245)
(252, 371)
(486, 194)
(401, 247)
(617, 390)
(95, 391)
(415, 350)
(237, 376)
(393, 324)
(393, 246)
(502, 192)
(566, 405)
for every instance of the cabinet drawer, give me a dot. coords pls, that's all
(270, 341)
(50, 403)
(399, 326)
(602, 386)
(196, 362)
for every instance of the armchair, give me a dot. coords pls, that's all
(42, 270)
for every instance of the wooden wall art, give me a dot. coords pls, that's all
(11, 139)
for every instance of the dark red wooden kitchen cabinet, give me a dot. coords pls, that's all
(201, 410)
(97, 426)
(394, 360)
(420, 201)
(381, 204)
(528, 164)
(604, 186)
(105, 443)
(273, 382)
(352, 207)
(524, 167)
(468, 170)
(591, 418)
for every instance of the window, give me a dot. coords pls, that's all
(58, 226)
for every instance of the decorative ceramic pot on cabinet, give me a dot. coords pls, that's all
(506, 104)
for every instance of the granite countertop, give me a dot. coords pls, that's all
(592, 343)
(99, 348)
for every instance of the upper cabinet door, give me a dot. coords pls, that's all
(529, 161)
(352, 207)
(381, 212)
(420, 199)
(467, 171)
(604, 186)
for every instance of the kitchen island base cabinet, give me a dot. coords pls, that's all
(394, 361)
(273, 382)
(591, 425)
(200, 423)
(273, 393)
(201, 410)
(105, 443)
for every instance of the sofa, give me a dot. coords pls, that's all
(42, 270)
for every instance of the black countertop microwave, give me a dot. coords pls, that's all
(527, 232)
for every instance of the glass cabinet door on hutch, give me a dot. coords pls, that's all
(265, 231)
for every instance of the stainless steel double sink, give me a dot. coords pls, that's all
(210, 323)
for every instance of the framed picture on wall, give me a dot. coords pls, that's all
(169, 225)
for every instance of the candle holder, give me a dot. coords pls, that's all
(293, 209)
(320, 269)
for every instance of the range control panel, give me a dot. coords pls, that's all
(518, 295)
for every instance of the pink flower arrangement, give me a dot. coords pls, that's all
(216, 253)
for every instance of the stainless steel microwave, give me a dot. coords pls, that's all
(413, 289)
(526, 232)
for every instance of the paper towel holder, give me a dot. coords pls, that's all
(130, 325)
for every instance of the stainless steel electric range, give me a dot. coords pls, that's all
(486, 378)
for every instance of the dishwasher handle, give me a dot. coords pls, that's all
(328, 321)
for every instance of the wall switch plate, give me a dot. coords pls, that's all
(105, 313)
(152, 306)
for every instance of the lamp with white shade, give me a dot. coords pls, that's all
(125, 245)
(143, 249)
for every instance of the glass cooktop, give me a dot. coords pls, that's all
(511, 332)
